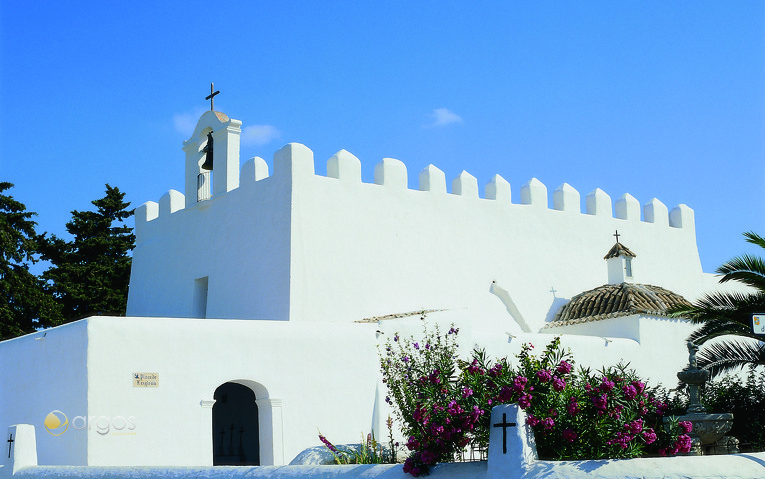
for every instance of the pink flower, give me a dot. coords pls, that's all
(544, 376)
(466, 392)
(606, 385)
(412, 443)
(519, 383)
(573, 407)
(649, 435)
(532, 420)
(524, 401)
(687, 426)
(505, 395)
(569, 435)
(328, 444)
(564, 367)
(616, 412)
(622, 440)
(454, 408)
(417, 414)
(634, 427)
(683, 443)
(640, 387)
(411, 468)
(548, 423)
(428, 457)
(475, 368)
(600, 402)
(630, 392)
(558, 384)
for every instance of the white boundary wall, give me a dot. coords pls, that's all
(306, 377)
(516, 461)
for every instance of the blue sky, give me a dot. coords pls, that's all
(655, 99)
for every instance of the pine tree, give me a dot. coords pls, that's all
(90, 274)
(24, 304)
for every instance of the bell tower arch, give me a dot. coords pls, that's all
(225, 134)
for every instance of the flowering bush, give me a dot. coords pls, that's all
(575, 415)
(437, 413)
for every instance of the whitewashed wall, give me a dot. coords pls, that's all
(320, 378)
(306, 377)
(303, 247)
(43, 372)
(382, 248)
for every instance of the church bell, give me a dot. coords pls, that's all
(208, 150)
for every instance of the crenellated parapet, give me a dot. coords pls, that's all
(294, 163)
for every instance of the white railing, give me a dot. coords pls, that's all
(204, 180)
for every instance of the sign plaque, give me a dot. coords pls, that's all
(758, 323)
(145, 380)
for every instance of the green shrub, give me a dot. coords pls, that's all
(746, 400)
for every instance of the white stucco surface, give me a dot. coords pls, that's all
(512, 455)
(303, 247)
(44, 372)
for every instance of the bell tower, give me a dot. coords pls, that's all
(216, 138)
(619, 262)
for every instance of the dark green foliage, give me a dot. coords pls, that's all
(729, 313)
(746, 400)
(24, 305)
(90, 274)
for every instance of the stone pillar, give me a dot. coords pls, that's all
(20, 449)
(511, 443)
(206, 443)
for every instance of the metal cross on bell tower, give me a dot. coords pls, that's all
(211, 96)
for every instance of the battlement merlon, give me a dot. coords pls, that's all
(296, 161)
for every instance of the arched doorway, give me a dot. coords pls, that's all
(235, 426)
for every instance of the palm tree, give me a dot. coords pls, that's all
(730, 313)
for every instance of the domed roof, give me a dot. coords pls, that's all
(614, 300)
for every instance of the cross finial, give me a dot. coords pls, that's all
(617, 235)
(10, 443)
(211, 96)
(553, 290)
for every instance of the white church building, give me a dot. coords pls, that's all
(258, 300)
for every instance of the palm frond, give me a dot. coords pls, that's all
(746, 269)
(712, 329)
(727, 306)
(754, 238)
(730, 355)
